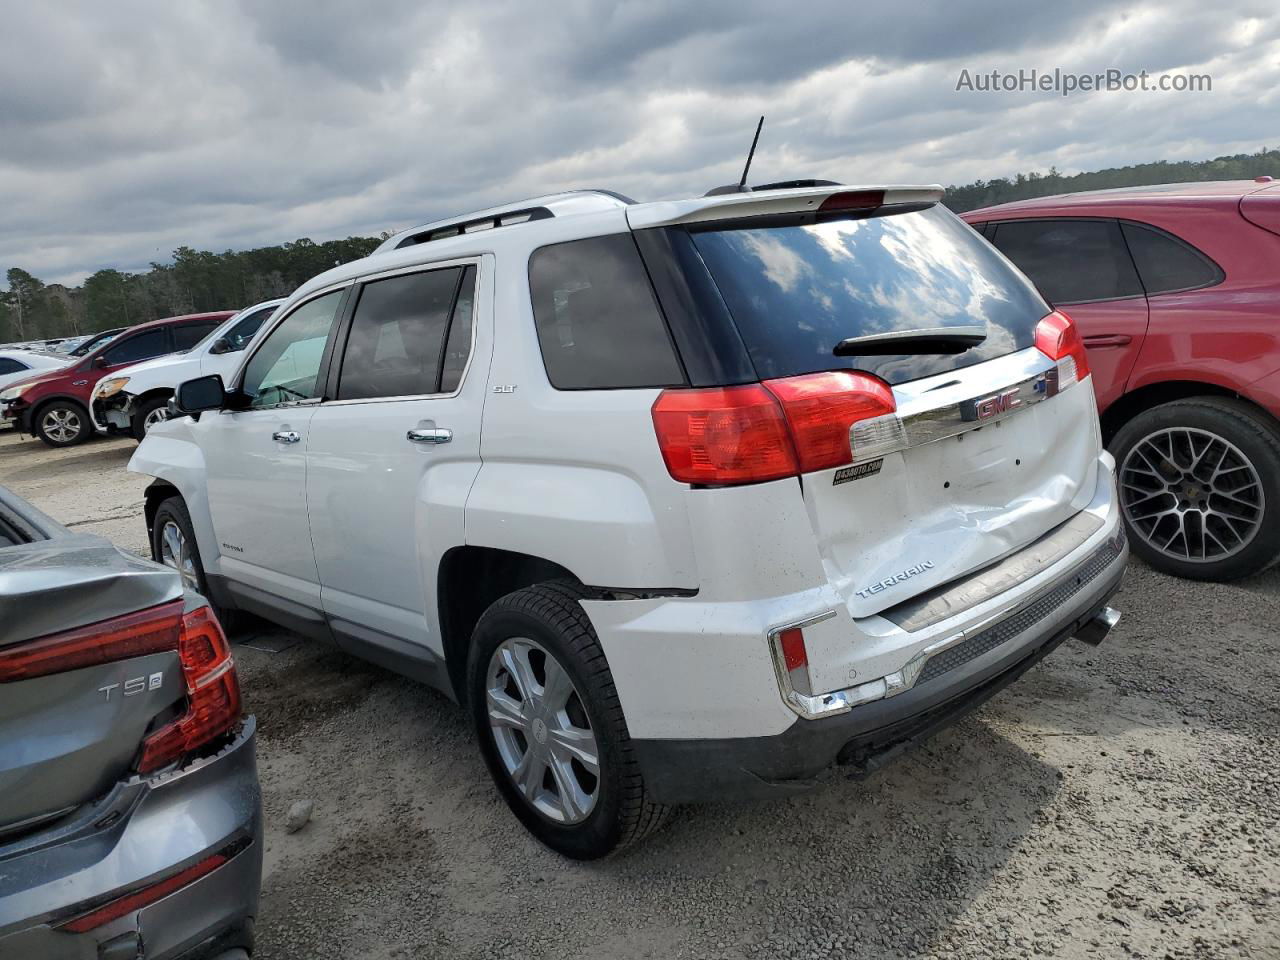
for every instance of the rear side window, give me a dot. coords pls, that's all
(144, 346)
(1071, 261)
(796, 291)
(398, 337)
(1166, 263)
(598, 323)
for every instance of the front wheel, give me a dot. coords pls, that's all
(173, 543)
(62, 423)
(550, 727)
(1199, 484)
(151, 412)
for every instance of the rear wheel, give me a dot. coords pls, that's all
(62, 423)
(550, 727)
(173, 543)
(151, 412)
(1199, 484)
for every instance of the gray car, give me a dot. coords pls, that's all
(130, 811)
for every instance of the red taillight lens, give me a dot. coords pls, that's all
(781, 428)
(723, 435)
(1058, 338)
(821, 407)
(213, 693)
(853, 200)
(135, 635)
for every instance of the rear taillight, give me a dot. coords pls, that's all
(821, 407)
(1058, 338)
(723, 436)
(135, 635)
(213, 693)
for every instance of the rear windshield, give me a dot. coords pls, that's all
(797, 291)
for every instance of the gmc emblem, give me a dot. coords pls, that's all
(1003, 402)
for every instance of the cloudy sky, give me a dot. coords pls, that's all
(129, 128)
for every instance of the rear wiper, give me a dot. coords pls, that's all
(901, 342)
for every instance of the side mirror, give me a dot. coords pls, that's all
(202, 393)
(221, 345)
(99, 362)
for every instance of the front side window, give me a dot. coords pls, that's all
(144, 346)
(10, 365)
(1166, 263)
(598, 322)
(398, 334)
(1071, 261)
(286, 366)
(189, 334)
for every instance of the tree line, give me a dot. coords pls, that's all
(199, 280)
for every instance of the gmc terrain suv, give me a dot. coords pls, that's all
(682, 500)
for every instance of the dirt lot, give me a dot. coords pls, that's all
(1119, 801)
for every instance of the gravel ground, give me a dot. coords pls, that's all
(1118, 801)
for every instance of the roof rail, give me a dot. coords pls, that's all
(509, 214)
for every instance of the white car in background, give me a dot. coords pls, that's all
(17, 365)
(137, 399)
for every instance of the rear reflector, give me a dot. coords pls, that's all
(795, 659)
(732, 435)
(852, 200)
(141, 898)
(135, 635)
(213, 693)
(1058, 338)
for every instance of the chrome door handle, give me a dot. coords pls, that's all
(286, 436)
(429, 435)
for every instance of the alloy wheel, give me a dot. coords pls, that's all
(176, 552)
(61, 425)
(1191, 494)
(158, 415)
(542, 732)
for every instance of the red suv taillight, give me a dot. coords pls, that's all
(213, 692)
(1058, 338)
(724, 436)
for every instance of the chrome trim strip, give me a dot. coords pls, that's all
(924, 422)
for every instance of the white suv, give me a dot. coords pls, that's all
(138, 399)
(683, 500)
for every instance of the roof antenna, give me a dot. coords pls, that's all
(742, 184)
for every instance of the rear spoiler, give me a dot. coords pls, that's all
(739, 206)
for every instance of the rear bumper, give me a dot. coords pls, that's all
(143, 833)
(870, 735)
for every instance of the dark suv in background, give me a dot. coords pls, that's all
(54, 406)
(1176, 291)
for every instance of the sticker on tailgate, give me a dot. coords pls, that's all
(857, 472)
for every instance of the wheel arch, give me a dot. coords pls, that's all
(468, 580)
(1166, 391)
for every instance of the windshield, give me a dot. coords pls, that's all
(797, 291)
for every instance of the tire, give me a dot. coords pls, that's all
(1208, 469)
(138, 425)
(621, 813)
(62, 423)
(174, 511)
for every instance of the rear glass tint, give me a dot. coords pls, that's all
(1166, 263)
(797, 291)
(598, 323)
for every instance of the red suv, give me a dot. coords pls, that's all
(54, 405)
(1176, 290)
